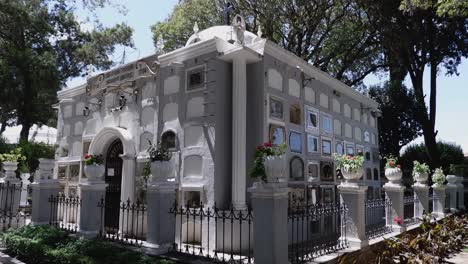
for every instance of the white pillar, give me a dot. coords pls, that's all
(239, 115)
(460, 193)
(395, 193)
(354, 197)
(439, 200)
(128, 178)
(92, 218)
(421, 203)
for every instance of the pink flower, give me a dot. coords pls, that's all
(267, 144)
(398, 166)
(87, 156)
(397, 220)
(260, 147)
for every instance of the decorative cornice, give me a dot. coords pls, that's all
(188, 52)
(274, 50)
(71, 92)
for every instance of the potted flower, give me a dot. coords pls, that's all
(351, 167)
(420, 172)
(161, 166)
(24, 171)
(10, 162)
(94, 167)
(438, 177)
(392, 170)
(269, 163)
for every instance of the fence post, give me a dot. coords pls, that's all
(270, 211)
(354, 197)
(90, 212)
(421, 203)
(160, 199)
(460, 192)
(395, 193)
(43, 188)
(452, 190)
(439, 200)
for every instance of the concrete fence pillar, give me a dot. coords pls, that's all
(421, 203)
(452, 192)
(460, 192)
(91, 214)
(43, 188)
(160, 199)
(270, 211)
(395, 193)
(354, 197)
(439, 200)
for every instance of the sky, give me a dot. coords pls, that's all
(452, 94)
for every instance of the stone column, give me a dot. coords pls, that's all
(239, 115)
(160, 198)
(395, 192)
(421, 204)
(24, 188)
(128, 178)
(452, 192)
(91, 214)
(354, 197)
(270, 211)
(461, 193)
(43, 188)
(439, 200)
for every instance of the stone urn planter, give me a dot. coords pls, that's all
(420, 177)
(352, 176)
(160, 171)
(45, 170)
(393, 175)
(451, 180)
(95, 172)
(275, 168)
(10, 170)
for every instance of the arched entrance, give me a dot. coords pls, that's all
(113, 178)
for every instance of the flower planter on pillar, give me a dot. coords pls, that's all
(275, 168)
(394, 176)
(94, 172)
(352, 177)
(452, 191)
(161, 171)
(45, 171)
(420, 178)
(10, 170)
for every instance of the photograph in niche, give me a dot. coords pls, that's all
(312, 144)
(295, 142)
(277, 135)
(276, 108)
(311, 119)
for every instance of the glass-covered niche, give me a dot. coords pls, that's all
(312, 144)
(276, 108)
(277, 134)
(295, 114)
(339, 148)
(296, 167)
(295, 142)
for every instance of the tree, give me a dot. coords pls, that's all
(420, 35)
(332, 35)
(42, 45)
(397, 124)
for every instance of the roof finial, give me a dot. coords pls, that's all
(195, 28)
(259, 31)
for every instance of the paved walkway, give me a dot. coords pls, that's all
(5, 259)
(459, 258)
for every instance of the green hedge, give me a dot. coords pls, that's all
(46, 244)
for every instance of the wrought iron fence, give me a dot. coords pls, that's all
(213, 233)
(316, 230)
(15, 206)
(378, 214)
(65, 212)
(410, 205)
(124, 222)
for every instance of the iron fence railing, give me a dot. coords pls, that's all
(410, 205)
(123, 222)
(378, 214)
(213, 233)
(15, 205)
(65, 212)
(315, 230)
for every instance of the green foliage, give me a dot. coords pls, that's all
(159, 152)
(349, 163)
(93, 159)
(450, 154)
(443, 7)
(261, 152)
(420, 168)
(14, 155)
(42, 45)
(397, 124)
(147, 171)
(391, 162)
(438, 177)
(46, 244)
(33, 152)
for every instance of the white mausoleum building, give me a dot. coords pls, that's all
(212, 102)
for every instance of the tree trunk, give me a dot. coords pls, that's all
(24, 134)
(2, 127)
(429, 129)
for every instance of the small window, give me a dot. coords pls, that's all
(376, 174)
(192, 199)
(312, 144)
(326, 124)
(196, 79)
(296, 168)
(326, 147)
(168, 140)
(339, 148)
(295, 114)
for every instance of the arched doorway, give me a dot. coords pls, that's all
(113, 178)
